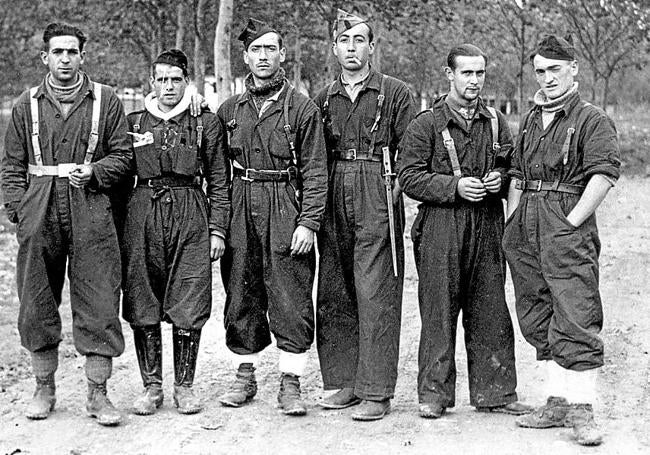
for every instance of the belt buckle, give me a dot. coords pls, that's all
(65, 169)
(539, 186)
(246, 175)
(354, 154)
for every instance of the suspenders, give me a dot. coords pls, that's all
(93, 140)
(451, 147)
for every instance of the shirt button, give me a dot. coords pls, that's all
(64, 141)
(257, 150)
(164, 147)
(168, 200)
(58, 115)
(541, 139)
(537, 165)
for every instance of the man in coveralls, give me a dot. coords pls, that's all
(65, 147)
(172, 231)
(279, 184)
(566, 161)
(451, 161)
(359, 297)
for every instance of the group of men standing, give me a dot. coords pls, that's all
(281, 171)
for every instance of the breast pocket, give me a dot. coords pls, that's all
(279, 145)
(184, 158)
(147, 161)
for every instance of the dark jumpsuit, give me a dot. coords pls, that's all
(259, 273)
(166, 243)
(457, 248)
(59, 224)
(554, 265)
(359, 302)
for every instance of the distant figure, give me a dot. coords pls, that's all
(279, 183)
(566, 161)
(172, 230)
(361, 244)
(66, 146)
(454, 159)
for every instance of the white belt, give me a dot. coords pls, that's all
(61, 170)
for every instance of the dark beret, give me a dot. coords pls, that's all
(173, 57)
(253, 30)
(556, 48)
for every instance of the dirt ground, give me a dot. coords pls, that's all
(623, 384)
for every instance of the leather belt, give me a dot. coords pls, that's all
(171, 182)
(354, 155)
(264, 175)
(540, 185)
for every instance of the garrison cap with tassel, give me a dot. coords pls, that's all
(253, 30)
(555, 48)
(345, 21)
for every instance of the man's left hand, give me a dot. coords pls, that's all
(217, 247)
(492, 182)
(302, 241)
(80, 176)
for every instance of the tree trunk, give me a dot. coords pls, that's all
(522, 63)
(199, 56)
(605, 92)
(181, 21)
(376, 56)
(297, 66)
(222, 70)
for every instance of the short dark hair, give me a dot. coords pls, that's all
(173, 57)
(464, 50)
(280, 41)
(61, 29)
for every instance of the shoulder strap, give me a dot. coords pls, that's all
(494, 122)
(451, 150)
(36, 145)
(138, 122)
(567, 145)
(94, 131)
(326, 103)
(375, 126)
(199, 131)
(287, 125)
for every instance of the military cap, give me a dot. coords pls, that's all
(345, 21)
(253, 30)
(173, 57)
(556, 48)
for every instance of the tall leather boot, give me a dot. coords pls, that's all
(44, 365)
(186, 349)
(98, 370)
(148, 348)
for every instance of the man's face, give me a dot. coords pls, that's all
(555, 77)
(264, 56)
(353, 48)
(466, 81)
(169, 84)
(63, 58)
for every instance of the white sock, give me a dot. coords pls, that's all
(581, 386)
(238, 359)
(555, 379)
(293, 363)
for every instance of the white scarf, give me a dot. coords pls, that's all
(151, 105)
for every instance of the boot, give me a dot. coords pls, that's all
(552, 414)
(44, 365)
(242, 389)
(289, 396)
(148, 348)
(370, 410)
(100, 407)
(342, 399)
(186, 349)
(98, 370)
(585, 431)
(43, 400)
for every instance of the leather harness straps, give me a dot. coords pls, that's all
(63, 170)
(448, 141)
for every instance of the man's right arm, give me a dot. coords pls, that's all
(15, 160)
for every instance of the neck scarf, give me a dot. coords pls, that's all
(151, 105)
(556, 104)
(266, 90)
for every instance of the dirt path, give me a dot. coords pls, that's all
(624, 388)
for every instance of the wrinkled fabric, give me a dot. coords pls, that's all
(58, 224)
(460, 265)
(359, 301)
(267, 289)
(554, 265)
(166, 243)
